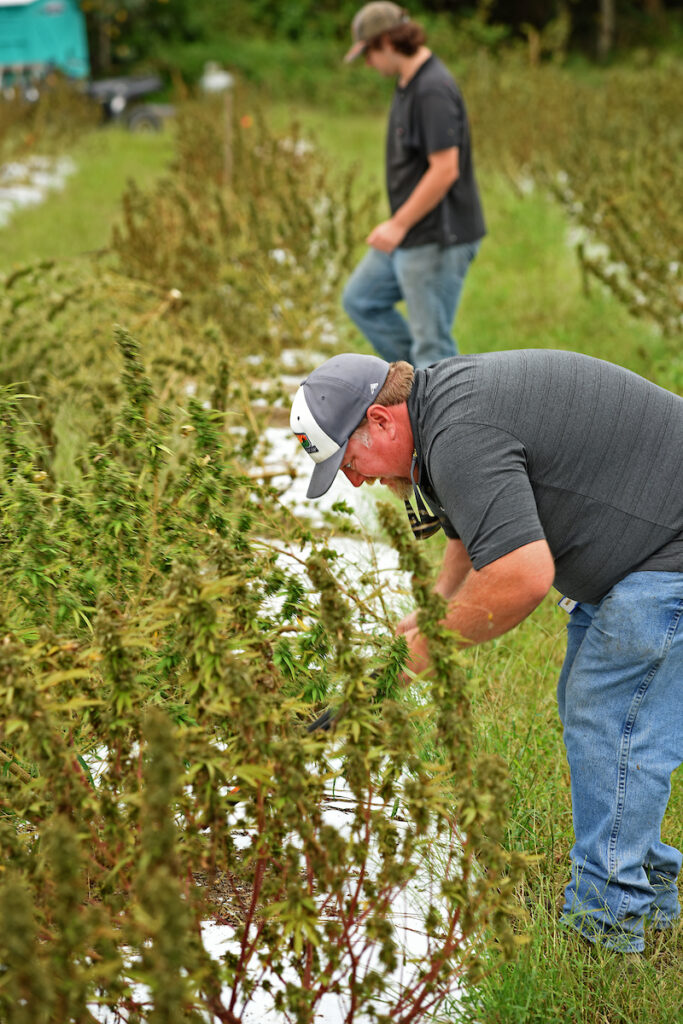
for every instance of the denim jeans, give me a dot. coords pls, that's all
(620, 698)
(430, 279)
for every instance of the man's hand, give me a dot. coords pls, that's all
(405, 625)
(386, 236)
(442, 172)
(491, 601)
(454, 569)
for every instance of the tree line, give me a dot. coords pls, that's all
(124, 32)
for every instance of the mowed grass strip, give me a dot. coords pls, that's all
(79, 218)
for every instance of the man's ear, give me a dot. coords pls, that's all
(381, 416)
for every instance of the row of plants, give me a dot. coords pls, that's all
(51, 120)
(168, 629)
(607, 148)
(156, 653)
(211, 267)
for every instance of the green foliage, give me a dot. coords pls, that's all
(206, 271)
(52, 122)
(295, 49)
(607, 150)
(244, 224)
(139, 687)
(297, 19)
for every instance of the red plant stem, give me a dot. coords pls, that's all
(308, 970)
(247, 948)
(451, 943)
(225, 1016)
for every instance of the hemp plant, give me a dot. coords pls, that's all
(154, 751)
(244, 253)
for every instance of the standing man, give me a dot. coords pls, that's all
(547, 468)
(423, 252)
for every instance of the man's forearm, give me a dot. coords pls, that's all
(428, 193)
(492, 601)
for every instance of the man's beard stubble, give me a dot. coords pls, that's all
(401, 486)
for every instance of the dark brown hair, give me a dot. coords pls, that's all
(406, 38)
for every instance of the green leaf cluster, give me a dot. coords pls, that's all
(606, 147)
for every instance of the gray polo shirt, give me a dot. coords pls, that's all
(428, 115)
(515, 447)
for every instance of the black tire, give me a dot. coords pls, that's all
(143, 120)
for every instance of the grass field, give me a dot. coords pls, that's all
(525, 290)
(79, 219)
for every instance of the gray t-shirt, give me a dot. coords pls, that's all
(428, 115)
(514, 447)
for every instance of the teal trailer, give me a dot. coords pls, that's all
(39, 35)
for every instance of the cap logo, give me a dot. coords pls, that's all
(306, 443)
(328, 406)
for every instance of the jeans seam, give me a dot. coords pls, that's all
(625, 749)
(673, 626)
(623, 765)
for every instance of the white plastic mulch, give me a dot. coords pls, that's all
(357, 556)
(407, 916)
(26, 183)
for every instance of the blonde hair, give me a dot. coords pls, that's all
(398, 385)
(395, 390)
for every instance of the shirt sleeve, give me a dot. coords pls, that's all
(439, 120)
(484, 488)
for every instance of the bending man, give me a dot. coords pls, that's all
(547, 468)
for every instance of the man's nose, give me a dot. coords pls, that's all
(355, 478)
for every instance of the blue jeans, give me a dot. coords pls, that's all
(430, 279)
(620, 698)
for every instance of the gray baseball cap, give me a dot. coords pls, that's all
(371, 21)
(328, 407)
